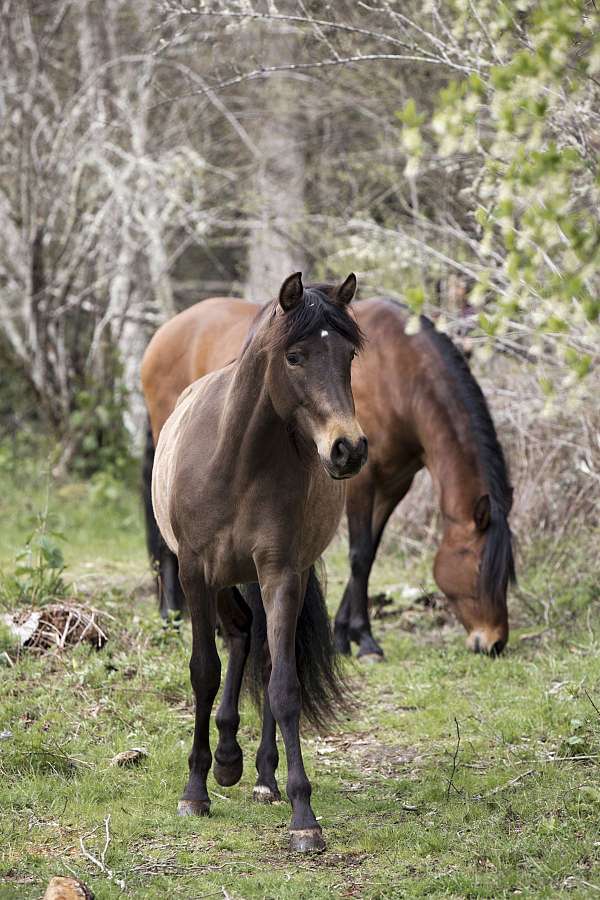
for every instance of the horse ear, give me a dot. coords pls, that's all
(291, 292)
(347, 290)
(482, 512)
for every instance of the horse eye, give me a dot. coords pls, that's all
(293, 359)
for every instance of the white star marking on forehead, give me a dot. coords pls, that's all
(324, 333)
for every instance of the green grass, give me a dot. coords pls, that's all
(406, 812)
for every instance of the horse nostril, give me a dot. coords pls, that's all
(340, 452)
(363, 448)
(477, 648)
(497, 648)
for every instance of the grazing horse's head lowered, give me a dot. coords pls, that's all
(475, 564)
(312, 341)
(474, 567)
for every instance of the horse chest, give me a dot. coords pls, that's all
(287, 520)
(322, 514)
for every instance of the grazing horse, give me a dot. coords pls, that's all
(248, 487)
(419, 405)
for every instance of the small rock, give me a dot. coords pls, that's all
(129, 757)
(61, 888)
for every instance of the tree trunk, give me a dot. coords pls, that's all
(276, 203)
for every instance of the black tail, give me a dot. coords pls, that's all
(325, 695)
(171, 599)
(153, 535)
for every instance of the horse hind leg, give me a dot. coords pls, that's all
(283, 594)
(236, 620)
(205, 672)
(341, 628)
(267, 757)
(266, 789)
(170, 593)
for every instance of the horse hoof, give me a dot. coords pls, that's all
(229, 775)
(264, 794)
(193, 808)
(307, 840)
(342, 645)
(370, 657)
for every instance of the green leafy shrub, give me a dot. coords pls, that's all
(526, 123)
(97, 430)
(582, 738)
(38, 576)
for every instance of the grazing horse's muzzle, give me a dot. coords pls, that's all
(347, 457)
(481, 643)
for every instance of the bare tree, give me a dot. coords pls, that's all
(276, 201)
(95, 205)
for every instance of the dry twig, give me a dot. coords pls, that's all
(101, 863)
(454, 761)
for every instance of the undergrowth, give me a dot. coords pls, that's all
(455, 775)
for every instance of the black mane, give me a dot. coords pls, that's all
(497, 565)
(318, 310)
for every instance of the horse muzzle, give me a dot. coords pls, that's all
(346, 457)
(491, 644)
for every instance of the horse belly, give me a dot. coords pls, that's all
(227, 565)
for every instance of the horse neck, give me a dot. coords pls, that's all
(250, 427)
(248, 411)
(451, 455)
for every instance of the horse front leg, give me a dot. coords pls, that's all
(283, 595)
(236, 620)
(363, 549)
(352, 619)
(205, 672)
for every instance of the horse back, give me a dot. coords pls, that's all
(389, 383)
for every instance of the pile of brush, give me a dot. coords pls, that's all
(56, 626)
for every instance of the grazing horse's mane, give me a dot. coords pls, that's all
(497, 565)
(318, 311)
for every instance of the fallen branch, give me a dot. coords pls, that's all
(552, 759)
(502, 787)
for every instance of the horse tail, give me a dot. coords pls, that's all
(171, 598)
(153, 535)
(325, 694)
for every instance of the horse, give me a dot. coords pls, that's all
(249, 487)
(420, 406)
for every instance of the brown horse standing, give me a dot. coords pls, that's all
(419, 405)
(248, 487)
